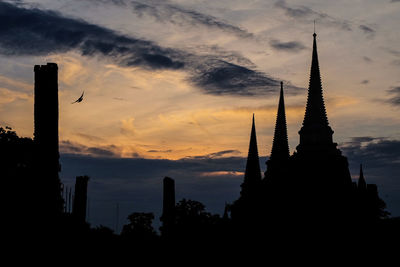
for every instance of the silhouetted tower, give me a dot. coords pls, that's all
(168, 216)
(46, 136)
(280, 145)
(320, 178)
(317, 154)
(316, 134)
(252, 176)
(362, 185)
(46, 113)
(277, 162)
(80, 198)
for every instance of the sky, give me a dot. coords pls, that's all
(171, 86)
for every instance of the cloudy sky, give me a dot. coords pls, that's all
(170, 88)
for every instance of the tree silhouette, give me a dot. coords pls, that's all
(192, 221)
(139, 227)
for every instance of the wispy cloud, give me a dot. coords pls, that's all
(159, 151)
(374, 150)
(393, 52)
(307, 14)
(368, 31)
(396, 62)
(367, 59)
(219, 154)
(69, 147)
(51, 32)
(394, 92)
(165, 11)
(365, 82)
(358, 140)
(292, 46)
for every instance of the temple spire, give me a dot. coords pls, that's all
(315, 110)
(252, 176)
(316, 134)
(361, 180)
(280, 145)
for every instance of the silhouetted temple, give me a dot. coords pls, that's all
(312, 186)
(310, 189)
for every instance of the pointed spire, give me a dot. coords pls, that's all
(253, 172)
(280, 145)
(315, 110)
(316, 134)
(361, 180)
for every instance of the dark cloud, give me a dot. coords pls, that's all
(164, 11)
(367, 30)
(223, 78)
(114, 2)
(136, 184)
(375, 151)
(216, 154)
(306, 14)
(89, 137)
(364, 81)
(292, 46)
(367, 59)
(301, 11)
(228, 56)
(380, 158)
(100, 152)
(223, 153)
(396, 62)
(36, 32)
(75, 148)
(394, 92)
(393, 52)
(160, 151)
(360, 139)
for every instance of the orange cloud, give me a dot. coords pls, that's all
(221, 173)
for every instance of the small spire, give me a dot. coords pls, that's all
(252, 175)
(280, 144)
(361, 180)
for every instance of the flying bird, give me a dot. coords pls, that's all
(79, 99)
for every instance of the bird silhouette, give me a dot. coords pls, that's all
(79, 99)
